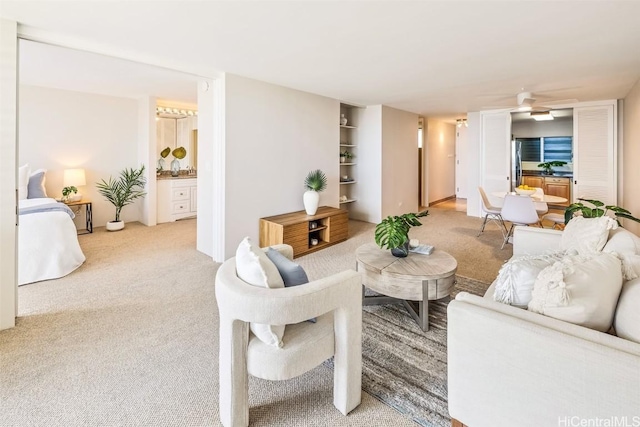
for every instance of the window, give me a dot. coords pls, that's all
(558, 148)
(546, 149)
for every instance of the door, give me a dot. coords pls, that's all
(594, 160)
(495, 140)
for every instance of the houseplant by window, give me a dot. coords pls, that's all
(315, 182)
(393, 232)
(546, 166)
(122, 191)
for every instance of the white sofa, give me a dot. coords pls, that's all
(511, 367)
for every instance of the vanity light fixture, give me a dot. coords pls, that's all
(460, 122)
(175, 111)
(541, 115)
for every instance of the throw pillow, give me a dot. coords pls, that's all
(35, 187)
(627, 317)
(23, 181)
(579, 289)
(254, 267)
(627, 246)
(516, 278)
(587, 235)
(292, 274)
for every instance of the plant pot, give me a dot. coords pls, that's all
(115, 225)
(401, 251)
(311, 199)
(343, 159)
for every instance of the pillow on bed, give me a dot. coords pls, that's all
(35, 187)
(23, 181)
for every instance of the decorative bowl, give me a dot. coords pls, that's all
(522, 192)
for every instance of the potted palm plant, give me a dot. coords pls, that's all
(315, 182)
(393, 232)
(122, 191)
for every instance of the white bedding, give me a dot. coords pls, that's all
(48, 245)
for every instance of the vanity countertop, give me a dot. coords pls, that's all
(181, 176)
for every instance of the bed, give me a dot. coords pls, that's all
(48, 245)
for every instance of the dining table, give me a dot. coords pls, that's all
(546, 198)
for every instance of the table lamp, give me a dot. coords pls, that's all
(74, 178)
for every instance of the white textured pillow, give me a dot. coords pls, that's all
(627, 318)
(517, 276)
(627, 246)
(587, 235)
(579, 289)
(254, 267)
(23, 181)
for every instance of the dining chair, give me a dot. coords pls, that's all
(519, 210)
(492, 213)
(541, 206)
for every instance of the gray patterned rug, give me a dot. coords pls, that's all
(405, 367)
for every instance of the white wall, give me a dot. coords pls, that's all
(441, 146)
(561, 126)
(274, 136)
(474, 153)
(61, 129)
(631, 149)
(399, 162)
(8, 173)
(368, 172)
(462, 163)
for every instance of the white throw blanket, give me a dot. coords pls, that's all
(48, 245)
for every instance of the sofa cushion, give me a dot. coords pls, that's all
(627, 317)
(580, 289)
(254, 267)
(627, 246)
(516, 278)
(587, 235)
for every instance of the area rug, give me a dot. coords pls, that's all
(405, 367)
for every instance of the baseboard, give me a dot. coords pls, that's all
(435, 202)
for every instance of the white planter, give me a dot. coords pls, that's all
(115, 225)
(311, 199)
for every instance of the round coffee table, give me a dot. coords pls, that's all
(411, 281)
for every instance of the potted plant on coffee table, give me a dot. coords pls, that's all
(315, 182)
(393, 232)
(122, 191)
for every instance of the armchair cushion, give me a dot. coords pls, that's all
(254, 267)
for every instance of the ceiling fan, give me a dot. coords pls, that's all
(526, 102)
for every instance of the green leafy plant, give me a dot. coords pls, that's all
(393, 231)
(599, 209)
(124, 190)
(66, 191)
(548, 165)
(316, 181)
(346, 154)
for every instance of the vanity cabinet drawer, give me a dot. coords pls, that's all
(181, 194)
(181, 207)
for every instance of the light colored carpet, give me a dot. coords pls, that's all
(130, 338)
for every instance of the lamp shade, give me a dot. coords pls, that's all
(74, 177)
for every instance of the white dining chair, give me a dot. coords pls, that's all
(541, 206)
(519, 210)
(492, 213)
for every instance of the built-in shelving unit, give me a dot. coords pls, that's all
(348, 172)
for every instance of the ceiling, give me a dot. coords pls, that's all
(435, 58)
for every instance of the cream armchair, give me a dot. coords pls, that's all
(335, 301)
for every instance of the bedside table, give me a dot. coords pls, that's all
(88, 213)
